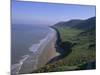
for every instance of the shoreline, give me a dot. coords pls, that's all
(62, 52)
(42, 54)
(65, 49)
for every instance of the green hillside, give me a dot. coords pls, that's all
(69, 23)
(86, 24)
(79, 48)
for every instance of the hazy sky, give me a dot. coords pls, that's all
(48, 14)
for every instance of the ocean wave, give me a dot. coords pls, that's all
(36, 49)
(15, 68)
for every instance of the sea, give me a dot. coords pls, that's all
(23, 38)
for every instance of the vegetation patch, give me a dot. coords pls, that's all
(78, 50)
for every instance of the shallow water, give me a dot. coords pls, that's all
(23, 37)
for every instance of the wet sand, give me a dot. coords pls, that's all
(47, 52)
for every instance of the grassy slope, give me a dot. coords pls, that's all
(83, 50)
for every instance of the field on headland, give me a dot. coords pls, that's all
(78, 46)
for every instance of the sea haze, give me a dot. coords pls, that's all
(23, 37)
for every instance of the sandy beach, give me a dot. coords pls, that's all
(46, 52)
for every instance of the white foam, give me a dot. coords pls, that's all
(35, 49)
(15, 68)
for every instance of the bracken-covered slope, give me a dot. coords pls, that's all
(78, 24)
(69, 23)
(86, 24)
